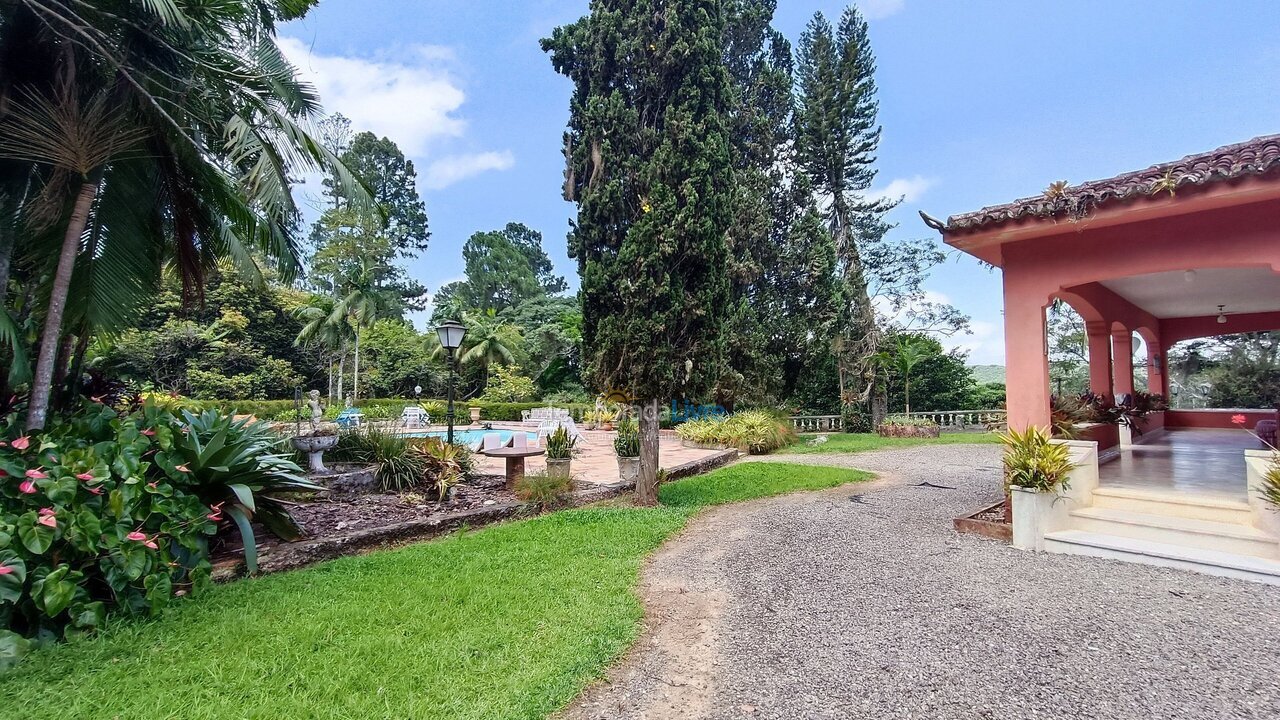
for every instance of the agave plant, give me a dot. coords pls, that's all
(238, 467)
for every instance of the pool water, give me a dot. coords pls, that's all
(472, 438)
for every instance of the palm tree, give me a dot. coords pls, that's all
(320, 330)
(908, 353)
(148, 134)
(488, 340)
(363, 302)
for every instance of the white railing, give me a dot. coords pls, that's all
(963, 419)
(816, 423)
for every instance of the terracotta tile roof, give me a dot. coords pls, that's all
(1253, 157)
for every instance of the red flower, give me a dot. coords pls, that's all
(94, 490)
(36, 474)
(216, 515)
(1238, 419)
(136, 536)
(85, 476)
(48, 520)
(182, 468)
(148, 432)
(27, 487)
(46, 511)
(21, 443)
(6, 570)
(3, 473)
(151, 544)
(151, 485)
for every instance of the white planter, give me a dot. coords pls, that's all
(559, 468)
(1036, 514)
(629, 469)
(1266, 517)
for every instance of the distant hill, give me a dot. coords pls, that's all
(988, 373)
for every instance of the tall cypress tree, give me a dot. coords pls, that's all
(836, 141)
(648, 163)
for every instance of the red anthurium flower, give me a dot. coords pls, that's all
(36, 474)
(152, 485)
(6, 570)
(1238, 419)
(151, 544)
(182, 468)
(47, 511)
(48, 520)
(85, 476)
(94, 490)
(148, 432)
(136, 536)
(27, 487)
(3, 473)
(21, 443)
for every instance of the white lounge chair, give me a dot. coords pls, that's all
(546, 427)
(490, 441)
(414, 416)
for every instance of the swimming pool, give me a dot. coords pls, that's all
(472, 438)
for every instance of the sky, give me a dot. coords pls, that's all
(981, 102)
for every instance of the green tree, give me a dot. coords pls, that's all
(922, 376)
(119, 167)
(503, 269)
(392, 181)
(649, 165)
(488, 341)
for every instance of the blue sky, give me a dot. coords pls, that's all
(981, 102)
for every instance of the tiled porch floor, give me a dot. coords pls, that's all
(1209, 462)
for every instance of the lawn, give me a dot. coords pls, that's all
(511, 621)
(862, 442)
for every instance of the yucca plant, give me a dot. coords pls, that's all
(1033, 461)
(238, 467)
(560, 444)
(627, 442)
(401, 464)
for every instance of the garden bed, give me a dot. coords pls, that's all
(987, 522)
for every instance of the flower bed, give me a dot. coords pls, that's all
(908, 428)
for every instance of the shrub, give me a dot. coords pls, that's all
(1033, 461)
(507, 385)
(560, 445)
(1270, 490)
(91, 522)
(239, 466)
(855, 419)
(627, 442)
(756, 431)
(401, 464)
(545, 491)
(446, 463)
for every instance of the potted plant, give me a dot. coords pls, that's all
(1037, 471)
(627, 447)
(559, 453)
(605, 418)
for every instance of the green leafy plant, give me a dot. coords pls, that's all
(507, 385)
(560, 444)
(755, 431)
(627, 442)
(447, 463)
(543, 490)
(240, 466)
(1033, 461)
(401, 464)
(91, 524)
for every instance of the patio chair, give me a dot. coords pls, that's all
(414, 416)
(519, 440)
(490, 441)
(350, 418)
(1266, 429)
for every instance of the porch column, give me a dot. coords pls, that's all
(1122, 361)
(1026, 359)
(1099, 336)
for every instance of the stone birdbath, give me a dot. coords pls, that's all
(314, 446)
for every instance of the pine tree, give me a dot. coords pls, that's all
(649, 166)
(836, 141)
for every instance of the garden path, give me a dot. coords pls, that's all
(862, 602)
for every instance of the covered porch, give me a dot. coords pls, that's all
(1182, 250)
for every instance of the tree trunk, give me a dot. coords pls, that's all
(907, 385)
(342, 366)
(6, 256)
(355, 372)
(647, 483)
(42, 382)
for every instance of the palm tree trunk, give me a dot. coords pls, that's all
(42, 382)
(355, 373)
(908, 390)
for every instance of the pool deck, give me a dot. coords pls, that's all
(594, 460)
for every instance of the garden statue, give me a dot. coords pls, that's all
(317, 411)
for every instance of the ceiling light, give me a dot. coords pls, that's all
(1189, 276)
(1222, 316)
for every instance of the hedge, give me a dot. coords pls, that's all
(389, 408)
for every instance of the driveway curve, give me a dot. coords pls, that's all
(862, 602)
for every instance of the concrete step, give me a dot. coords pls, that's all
(1203, 534)
(1210, 562)
(1195, 506)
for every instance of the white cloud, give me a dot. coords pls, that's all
(410, 98)
(984, 343)
(448, 170)
(878, 9)
(909, 189)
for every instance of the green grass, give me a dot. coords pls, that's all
(511, 621)
(862, 442)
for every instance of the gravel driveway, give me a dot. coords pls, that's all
(862, 602)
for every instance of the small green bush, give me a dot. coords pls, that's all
(401, 464)
(543, 490)
(756, 431)
(627, 442)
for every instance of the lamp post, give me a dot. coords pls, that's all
(450, 334)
